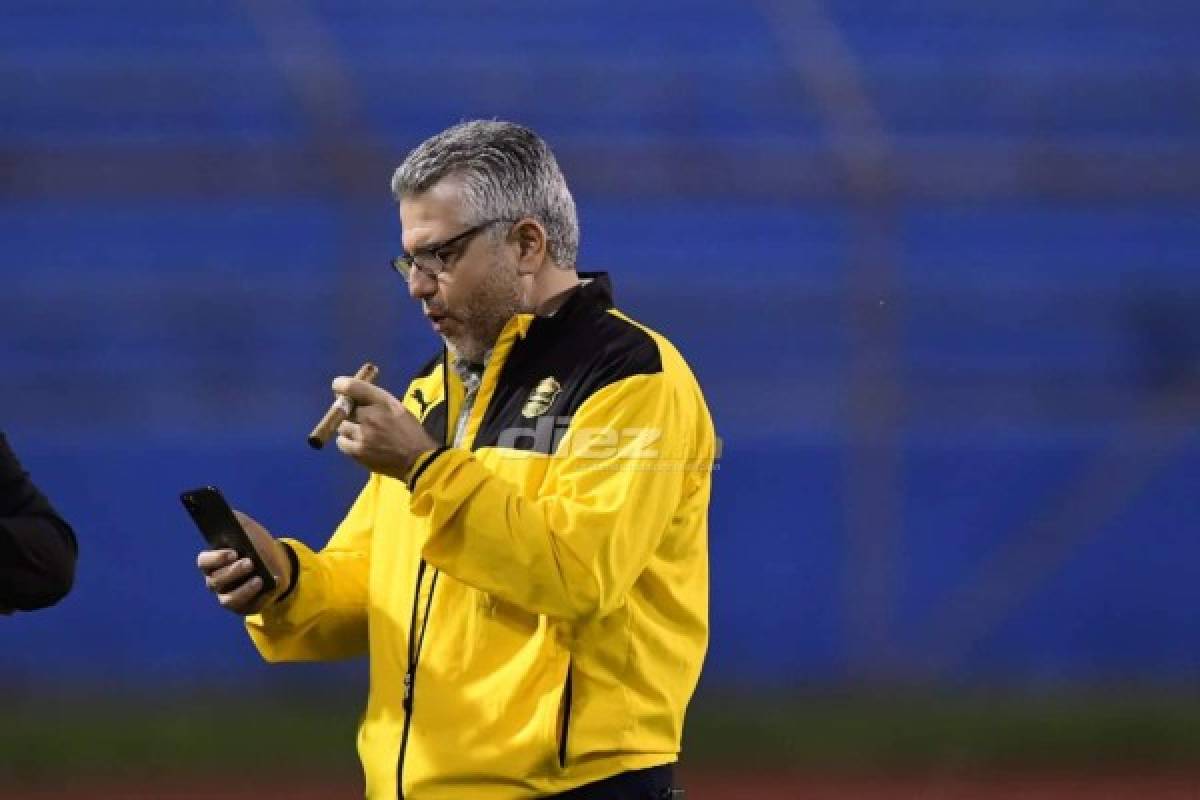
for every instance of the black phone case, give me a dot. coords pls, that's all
(221, 530)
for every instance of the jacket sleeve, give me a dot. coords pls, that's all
(613, 486)
(324, 616)
(37, 546)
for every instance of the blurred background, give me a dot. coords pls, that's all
(936, 265)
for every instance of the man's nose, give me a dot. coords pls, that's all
(421, 286)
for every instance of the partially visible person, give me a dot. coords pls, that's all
(37, 546)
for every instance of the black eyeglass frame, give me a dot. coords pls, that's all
(405, 264)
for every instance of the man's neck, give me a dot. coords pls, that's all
(549, 296)
(554, 290)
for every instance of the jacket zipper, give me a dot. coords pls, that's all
(566, 723)
(415, 643)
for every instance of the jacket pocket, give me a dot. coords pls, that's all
(565, 715)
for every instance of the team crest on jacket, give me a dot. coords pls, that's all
(541, 398)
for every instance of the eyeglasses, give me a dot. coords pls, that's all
(432, 260)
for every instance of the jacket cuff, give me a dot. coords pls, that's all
(297, 604)
(421, 464)
(294, 564)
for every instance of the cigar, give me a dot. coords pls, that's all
(342, 408)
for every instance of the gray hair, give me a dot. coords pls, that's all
(507, 172)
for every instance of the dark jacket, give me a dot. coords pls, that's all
(37, 546)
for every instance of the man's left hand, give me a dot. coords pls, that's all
(383, 436)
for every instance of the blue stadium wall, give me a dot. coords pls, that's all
(959, 413)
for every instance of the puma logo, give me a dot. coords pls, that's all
(419, 396)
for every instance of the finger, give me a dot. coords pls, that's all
(242, 598)
(209, 560)
(351, 430)
(350, 447)
(229, 578)
(382, 414)
(361, 392)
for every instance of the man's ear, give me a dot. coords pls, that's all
(530, 238)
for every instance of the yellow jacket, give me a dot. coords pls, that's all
(564, 545)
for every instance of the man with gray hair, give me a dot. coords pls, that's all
(527, 564)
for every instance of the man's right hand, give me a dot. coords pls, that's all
(232, 580)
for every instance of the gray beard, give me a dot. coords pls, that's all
(498, 300)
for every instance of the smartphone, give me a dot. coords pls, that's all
(222, 531)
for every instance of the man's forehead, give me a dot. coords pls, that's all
(431, 215)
